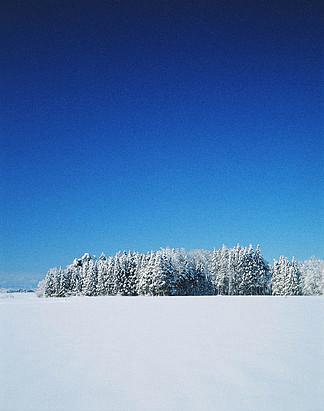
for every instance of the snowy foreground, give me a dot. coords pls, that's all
(162, 353)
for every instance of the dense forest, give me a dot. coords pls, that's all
(174, 272)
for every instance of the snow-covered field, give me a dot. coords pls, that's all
(162, 353)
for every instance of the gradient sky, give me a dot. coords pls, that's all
(138, 125)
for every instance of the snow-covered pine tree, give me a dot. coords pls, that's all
(40, 290)
(254, 273)
(312, 275)
(247, 273)
(235, 279)
(110, 280)
(84, 262)
(278, 278)
(57, 282)
(102, 275)
(223, 274)
(145, 281)
(263, 273)
(50, 283)
(292, 278)
(202, 280)
(183, 272)
(286, 277)
(125, 273)
(162, 275)
(139, 261)
(63, 288)
(130, 284)
(90, 278)
(214, 267)
(189, 274)
(121, 272)
(75, 282)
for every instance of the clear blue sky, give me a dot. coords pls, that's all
(138, 125)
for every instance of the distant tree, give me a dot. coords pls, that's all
(263, 274)
(163, 276)
(312, 276)
(102, 271)
(74, 272)
(50, 283)
(40, 290)
(235, 270)
(202, 280)
(84, 263)
(278, 277)
(286, 278)
(146, 273)
(62, 283)
(125, 270)
(292, 279)
(247, 274)
(90, 278)
(183, 272)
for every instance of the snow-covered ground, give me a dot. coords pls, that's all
(162, 353)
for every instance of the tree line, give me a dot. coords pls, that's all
(175, 272)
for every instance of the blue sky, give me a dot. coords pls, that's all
(142, 125)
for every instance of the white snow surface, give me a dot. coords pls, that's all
(161, 353)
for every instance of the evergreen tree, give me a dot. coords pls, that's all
(130, 284)
(102, 271)
(162, 278)
(247, 274)
(292, 279)
(145, 281)
(312, 275)
(278, 278)
(62, 284)
(263, 274)
(50, 283)
(202, 281)
(90, 278)
(84, 263)
(235, 271)
(183, 271)
(222, 273)
(286, 277)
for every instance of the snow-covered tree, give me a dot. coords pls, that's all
(125, 273)
(50, 283)
(145, 280)
(84, 263)
(90, 278)
(235, 270)
(102, 270)
(292, 279)
(163, 276)
(156, 276)
(312, 273)
(183, 271)
(286, 277)
(247, 274)
(263, 274)
(220, 271)
(278, 278)
(40, 290)
(74, 272)
(202, 280)
(63, 284)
